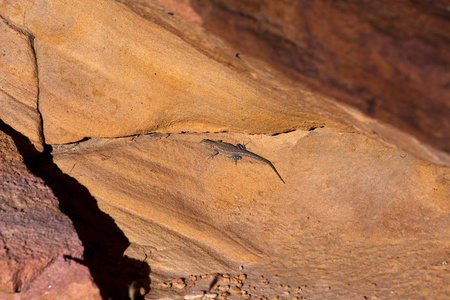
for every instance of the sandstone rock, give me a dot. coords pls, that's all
(195, 215)
(365, 209)
(390, 59)
(200, 85)
(134, 76)
(14, 11)
(19, 84)
(35, 235)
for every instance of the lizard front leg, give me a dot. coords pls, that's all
(213, 154)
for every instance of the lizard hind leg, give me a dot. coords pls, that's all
(236, 158)
(242, 146)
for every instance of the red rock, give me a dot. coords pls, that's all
(35, 235)
(389, 59)
(76, 283)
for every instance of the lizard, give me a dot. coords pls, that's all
(234, 152)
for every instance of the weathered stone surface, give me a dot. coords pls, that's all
(18, 84)
(34, 234)
(62, 279)
(365, 209)
(100, 83)
(140, 77)
(14, 10)
(350, 206)
(390, 59)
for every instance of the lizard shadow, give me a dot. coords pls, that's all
(103, 241)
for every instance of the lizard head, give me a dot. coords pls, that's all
(207, 143)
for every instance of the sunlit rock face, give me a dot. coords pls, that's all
(348, 106)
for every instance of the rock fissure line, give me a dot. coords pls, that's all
(166, 134)
(18, 28)
(24, 31)
(36, 67)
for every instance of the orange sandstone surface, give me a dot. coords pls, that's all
(124, 203)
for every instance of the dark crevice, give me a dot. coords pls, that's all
(312, 128)
(286, 131)
(104, 243)
(85, 139)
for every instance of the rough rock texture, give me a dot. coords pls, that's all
(63, 279)
(365, 211)
(35, 236)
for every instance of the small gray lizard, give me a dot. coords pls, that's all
(234, 152)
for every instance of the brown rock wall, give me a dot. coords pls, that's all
(63, 279)
(34, 234)
(389, 59)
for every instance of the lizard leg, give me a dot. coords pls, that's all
(213, 154)
(236, 158)
(242, 146)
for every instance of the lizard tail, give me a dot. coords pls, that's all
(277, 173)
